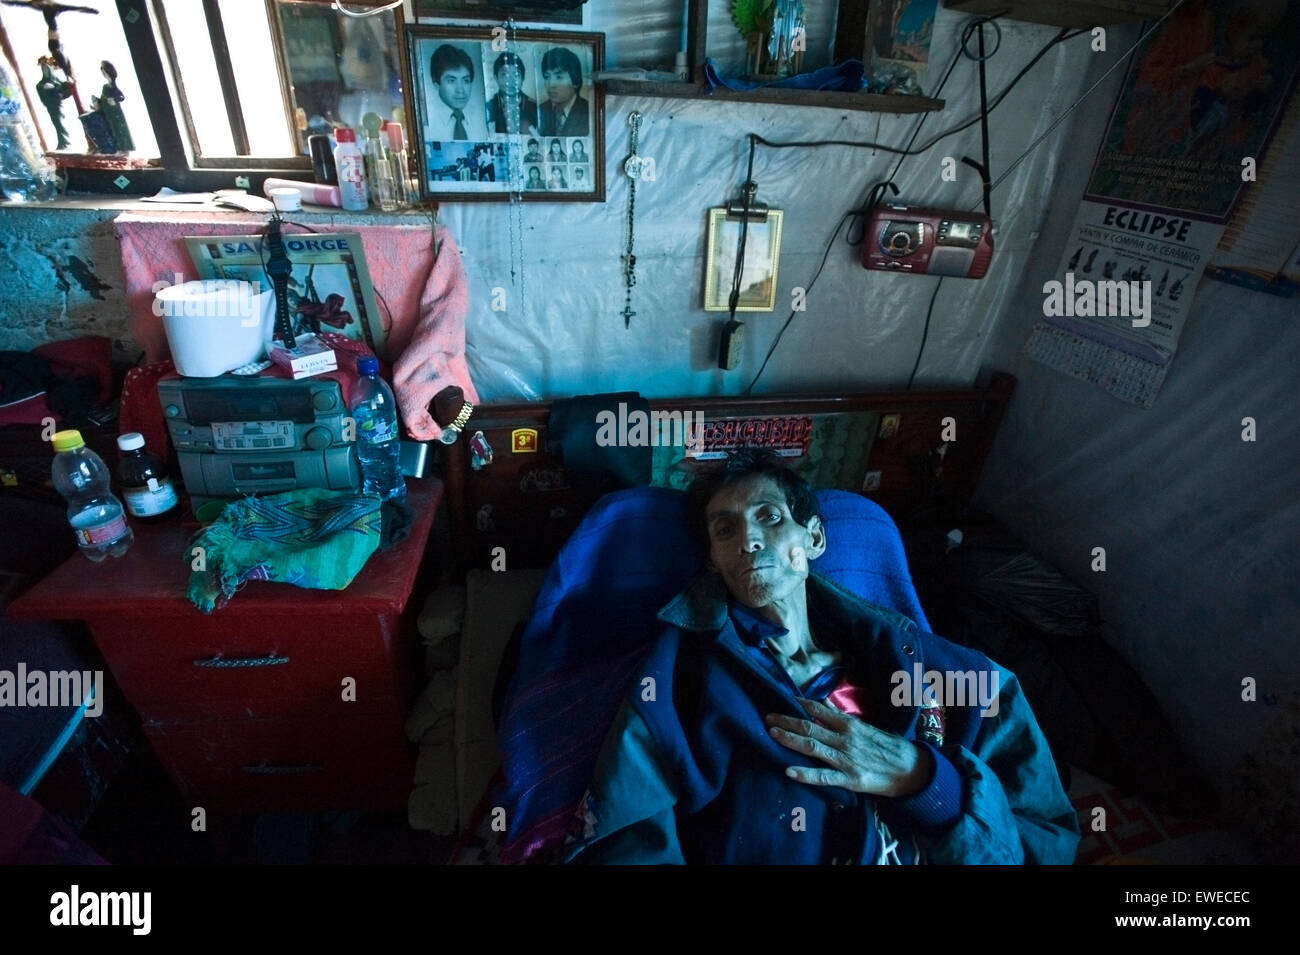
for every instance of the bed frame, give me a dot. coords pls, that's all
(525, 502)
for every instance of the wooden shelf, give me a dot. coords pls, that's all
(1075, 14)
(697, 89)
(831, 99)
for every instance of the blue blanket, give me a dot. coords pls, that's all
(595, 617)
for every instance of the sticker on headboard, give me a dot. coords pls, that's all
(787, 437)
(523, 441)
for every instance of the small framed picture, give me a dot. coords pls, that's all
(329, 284)
(762, 255)
(495, 116)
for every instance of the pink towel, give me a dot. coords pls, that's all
(416, 271)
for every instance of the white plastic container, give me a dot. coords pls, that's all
(216, 324)
(286, 198)
(351, 165)
(312, 192)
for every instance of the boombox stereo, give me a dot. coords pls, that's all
(928, 241)
(237, 436)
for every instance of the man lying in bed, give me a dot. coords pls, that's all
(778, 720)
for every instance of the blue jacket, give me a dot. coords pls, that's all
(689, 773)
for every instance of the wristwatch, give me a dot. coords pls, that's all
(279, 268)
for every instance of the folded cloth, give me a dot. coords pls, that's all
(847, 76)
(310, 537)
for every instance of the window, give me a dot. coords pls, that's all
(87, 40)
(223, 92)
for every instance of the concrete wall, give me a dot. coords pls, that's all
(63, 276)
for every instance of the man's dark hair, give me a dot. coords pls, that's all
(508, 59)
(448, 57)
(561, 59)
(744, 463)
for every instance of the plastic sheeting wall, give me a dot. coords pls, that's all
(1200, 527)
(562, 331)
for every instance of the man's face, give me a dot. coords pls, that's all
(559, 87)
(508, 79)
(454, 87)
(755, 543)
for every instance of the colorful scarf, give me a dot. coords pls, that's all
(311, 538)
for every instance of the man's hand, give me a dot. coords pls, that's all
(861, 757)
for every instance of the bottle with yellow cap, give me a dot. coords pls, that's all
(95, 513)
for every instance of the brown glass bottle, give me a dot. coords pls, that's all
(146, 489)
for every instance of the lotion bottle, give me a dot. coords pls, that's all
(351, 166)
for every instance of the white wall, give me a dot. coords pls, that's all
(1202, 585)
(563, 332)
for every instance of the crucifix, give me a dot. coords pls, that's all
(51, 10)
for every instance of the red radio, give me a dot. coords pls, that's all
(928, 241)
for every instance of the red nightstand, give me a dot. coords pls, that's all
(245, 707)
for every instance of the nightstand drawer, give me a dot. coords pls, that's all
(203, 709)
(168, 664)
(243, 765)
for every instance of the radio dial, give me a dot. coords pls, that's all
(318, 439)
(899, 239)
(323, 401)
(172, 411)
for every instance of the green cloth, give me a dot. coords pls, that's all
(311, 538)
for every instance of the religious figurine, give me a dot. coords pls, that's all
(785, 40)
(109, 103)
(53, 89)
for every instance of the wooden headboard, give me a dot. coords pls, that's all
(897, 448)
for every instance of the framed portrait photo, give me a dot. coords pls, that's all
(762, 256)
(500, 115)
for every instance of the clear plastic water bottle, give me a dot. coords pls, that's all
(379, 449)
(25, 174)
(96, 515)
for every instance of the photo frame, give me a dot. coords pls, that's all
(330, 282)
(499, 11)
(475, 140)
(762, 257)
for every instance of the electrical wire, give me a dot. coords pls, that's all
(930, 144)
(1086, 93)
(261, 251)
(909, 151)
(738, 274)
(925, 332)
(876, 193)
(366, 12)
(776, 341)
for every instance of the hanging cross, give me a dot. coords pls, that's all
(51, 10)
